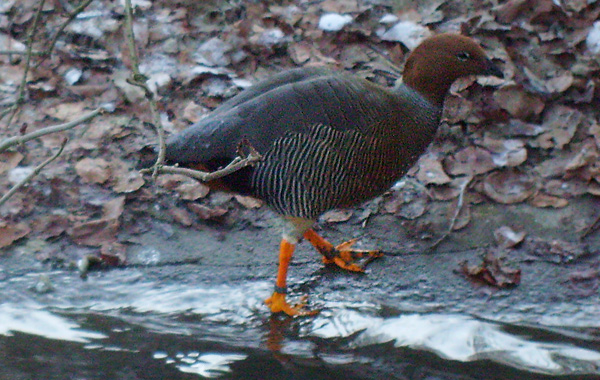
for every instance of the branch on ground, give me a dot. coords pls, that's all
(35, 172)
(16, 140)
(138, 79)
(238, 163)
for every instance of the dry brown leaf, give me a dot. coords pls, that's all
(594, 188)
(464, 217)
(94, 233)
(190, 191)
(508, 186)
(561, 123)
(337, 216)
(587, 154)
(50, 226)
(544, 200)
(126, 180)
(205, 212)
(431, 171)
(492, 272)
(114, 208)
(569, 189)
(413, 209)
(300, 52)
(555, 251)
(471, 161)
(193, 112)
(506, 152)
(248, 201)
(518, 102)
(93, 170)
(518, 128)
(101, 231)
(9, 160)
(181, 216)
(65, 111)
(9, 233)
(506, 237)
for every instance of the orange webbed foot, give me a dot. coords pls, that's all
(278, 304)
(354, 260)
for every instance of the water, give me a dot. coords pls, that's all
(134, 324)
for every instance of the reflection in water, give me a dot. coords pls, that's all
(459, 337)
(233, 316)
(36, 321)
(208, 365)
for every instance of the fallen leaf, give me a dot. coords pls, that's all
(9, 233)
(586, 154)
(508, 186)
(413, 209)
(506, 237)
(492, 272)
(431, 171)
(471, 161)
(463, 219)
(337, 216)
(554, 251)
(568, 189)
(505, 152)
(518, 102)
(544, 200)
(93, 170)
(191, 191)
(126, 180)
(248, 201)
(561, 123)
(193, 112)
(181, 216)
(50, 226)
(103, 231)
(205, 212)
(64, 111)
(9, 160)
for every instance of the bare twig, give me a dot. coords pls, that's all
(138, 79)
(20, 52)
(15, 140)
(459, 206)
(35, 172)
(21, 95)
(46, 53)
(235, 165)
(591, 228)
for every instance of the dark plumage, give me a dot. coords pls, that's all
(329, 139)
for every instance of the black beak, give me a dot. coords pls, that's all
(492, 69)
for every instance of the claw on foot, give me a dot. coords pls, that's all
(278, 304)
(343, 255)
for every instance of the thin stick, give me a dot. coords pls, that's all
(35, 172)
(21, 95)
(20, 52)
(139, 80)
(459, 206)
(15, 140)
(235, 165)
(591, 228)
(46, 53)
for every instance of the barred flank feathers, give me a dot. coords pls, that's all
(304, 175)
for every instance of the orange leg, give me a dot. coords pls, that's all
(277, 301)
(342, 255)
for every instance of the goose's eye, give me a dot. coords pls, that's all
(463, 56)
